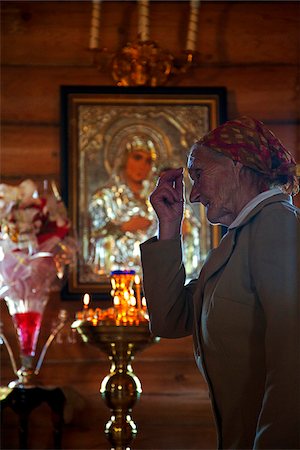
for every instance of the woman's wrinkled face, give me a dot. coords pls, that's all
(215, 181)
(138, 165)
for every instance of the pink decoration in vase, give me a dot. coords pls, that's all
(35, 248)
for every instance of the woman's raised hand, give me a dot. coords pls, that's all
(167, 200)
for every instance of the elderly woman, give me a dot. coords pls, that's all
(243, 310)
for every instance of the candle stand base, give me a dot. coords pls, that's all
(121, 388)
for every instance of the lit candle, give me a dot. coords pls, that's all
(143, 23)
(95, 25)
(138, 292)
(144, 303)
(86, 301)
(127, 300)
(132, 300)
(192, 28)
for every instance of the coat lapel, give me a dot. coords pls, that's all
(216, 259)
(220, 255)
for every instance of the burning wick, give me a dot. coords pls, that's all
(86, 301)
(138, 292)
(116, 300)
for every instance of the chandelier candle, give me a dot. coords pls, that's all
(95, 25)
(192, 28)
(143, 24)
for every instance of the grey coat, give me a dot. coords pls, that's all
(243, 312)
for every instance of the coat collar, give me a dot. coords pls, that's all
(220, 255)
(273, 199)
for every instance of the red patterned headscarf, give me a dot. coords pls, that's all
(251, 143)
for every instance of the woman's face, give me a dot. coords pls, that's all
(215, 185)
(138, 165)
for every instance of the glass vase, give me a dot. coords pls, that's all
(27, 315)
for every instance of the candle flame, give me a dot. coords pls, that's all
(137, 279)
(86, 300)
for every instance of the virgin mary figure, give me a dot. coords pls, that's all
(121, 216)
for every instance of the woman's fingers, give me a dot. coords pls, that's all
(167, 201)
(166, 194)
(172, 181)
(171, 175)
(178, 184)
(167, 198)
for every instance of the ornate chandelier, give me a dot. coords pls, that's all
(143, 62)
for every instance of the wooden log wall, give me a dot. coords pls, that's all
(251, 48)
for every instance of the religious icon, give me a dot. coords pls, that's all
(116, 142)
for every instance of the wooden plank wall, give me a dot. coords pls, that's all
(251, 48)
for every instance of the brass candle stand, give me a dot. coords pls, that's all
(120, 332)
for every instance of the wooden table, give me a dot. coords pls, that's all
(24, 400)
